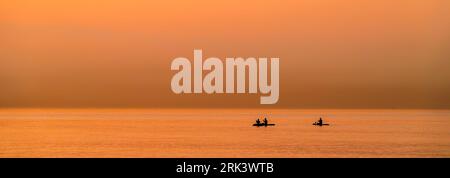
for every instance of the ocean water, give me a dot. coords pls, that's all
(223, 133)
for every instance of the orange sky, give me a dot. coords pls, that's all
(117, 53)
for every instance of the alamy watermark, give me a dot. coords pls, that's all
(213, 82)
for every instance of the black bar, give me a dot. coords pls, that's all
(292, 167)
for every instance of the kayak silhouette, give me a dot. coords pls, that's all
(265, 123)
(262, 124)
(318, 124)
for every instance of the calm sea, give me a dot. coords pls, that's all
(223, 133)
